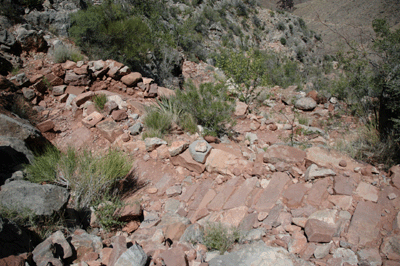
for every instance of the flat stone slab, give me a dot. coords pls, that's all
(318, 192)
(273, 192)
(294, 194)
(283, 153)
(368, 191)
(364, 224)
(109, 129)
(185, 160)
(92, 119)
(227, 189)
(239, 197)
(329, 158)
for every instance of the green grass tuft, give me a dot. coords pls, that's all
(99, 101)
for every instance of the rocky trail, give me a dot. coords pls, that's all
(294, 205)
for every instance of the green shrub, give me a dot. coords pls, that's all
(209, 105)
(88, 176)
(106, 212)
(219, 237)
(283, 41)
(188, 123)
(157, 123)
(281, 26)
(44, 167)
(105, 31)
(66, 52)
(99, 101)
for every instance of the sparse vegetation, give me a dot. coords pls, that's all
(106, 211)
(99, 101)
(67, 52)
(209, 105)
(220, 237)
(87, 175)
(158, 123)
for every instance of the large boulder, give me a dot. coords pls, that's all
(24, 196)
(305, 104)
(30, 39)
(59, 20)
(23, 130)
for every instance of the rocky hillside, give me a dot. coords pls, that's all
(271, 188)
(292, 206)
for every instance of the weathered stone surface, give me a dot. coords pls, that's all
(193, 234)
(347, 256)
(233, 217)
(368, 191)
(219, 200)
(273, 191)
(83, 97)
(314, 172)
(318, 192)
(84, 243)
(45, 125)
(174, 191)
(369, 257)
(321, 251)
(319, 231)
(109, 129)
(29, 94)
(395, 175)
(131, 79)
(174, 256)
(240, 196)
(241, 109)
(92, 120)
(298, 243)
(199, 150)
(391, 247)
(305, 104)
(153, 143)
(185, 160)
(222, 162)
(76, 80)
(364, 223)
(343, 202)
(135, 255)
(329, 158)
(45, 253)
(344, 185)
(136, 128)
(293, 195)
(259, 254)
(119, 115)
(110, 106)
(131, 211)
(59, 90)
(177, 147)
(40, 199)
(150, 219)
(283, 153)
